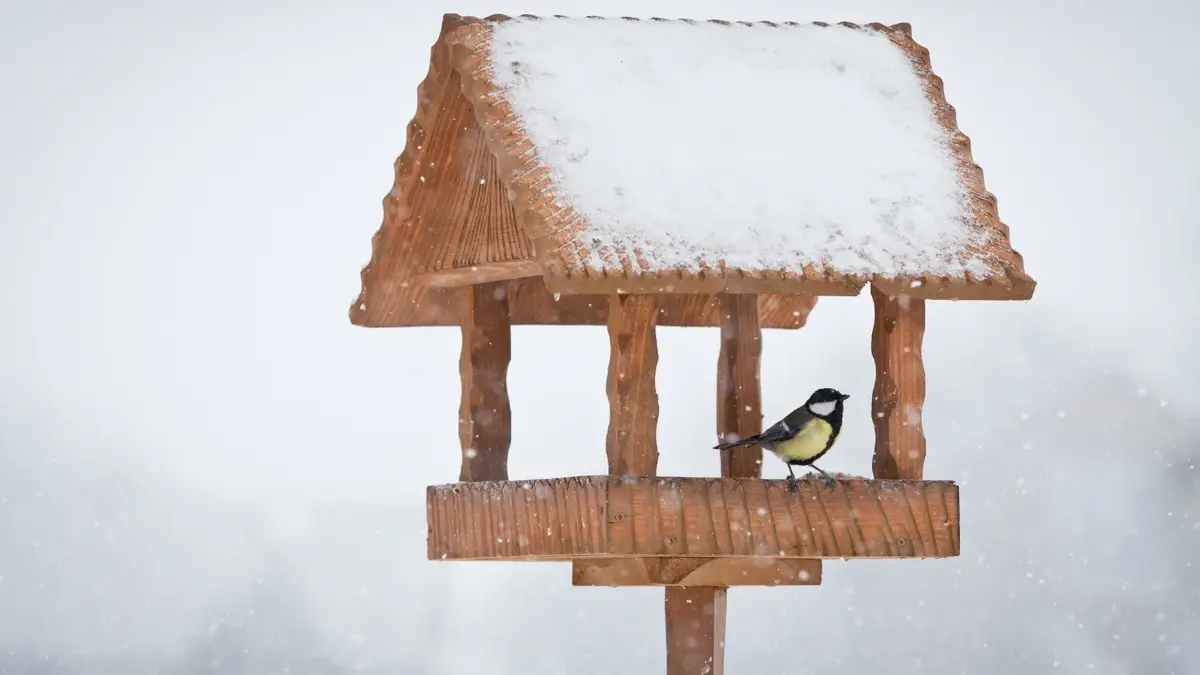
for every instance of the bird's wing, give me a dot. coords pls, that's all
(787, 427)
(796, 419)
(784, 429)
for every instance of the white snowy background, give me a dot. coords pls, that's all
(205, 468)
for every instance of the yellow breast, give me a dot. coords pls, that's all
(807, 444)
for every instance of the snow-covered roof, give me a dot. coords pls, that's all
(677, 156)
(667, 151)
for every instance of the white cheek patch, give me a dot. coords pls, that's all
(823, 408)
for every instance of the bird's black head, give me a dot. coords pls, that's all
(825, 401)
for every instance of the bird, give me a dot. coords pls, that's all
(804, 435)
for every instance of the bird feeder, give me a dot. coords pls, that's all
(635, 174)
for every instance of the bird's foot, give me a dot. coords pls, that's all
(792, 485)
(830, 481)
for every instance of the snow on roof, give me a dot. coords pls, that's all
(741, 155)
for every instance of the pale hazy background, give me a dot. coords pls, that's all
(205, 468)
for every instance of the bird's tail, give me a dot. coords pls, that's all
(734, 444)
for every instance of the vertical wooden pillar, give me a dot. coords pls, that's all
(632, 399)
(695, 630)
(484, 415)
(899, 386)
(739, 391)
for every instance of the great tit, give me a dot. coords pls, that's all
(804, 436)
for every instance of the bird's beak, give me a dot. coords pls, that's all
(845, 396)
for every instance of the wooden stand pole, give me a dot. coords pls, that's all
(484, 414)
(695, 630)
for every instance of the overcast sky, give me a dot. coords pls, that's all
(188, 191)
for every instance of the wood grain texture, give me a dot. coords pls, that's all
(455, 277)
(485, 414)
(695, 630)
(587, 516)
(632, 398)
(697, 572)
(447, 207)
(739, 392)
(899, 395)
(405, 302)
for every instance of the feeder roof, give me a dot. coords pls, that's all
(592, 155)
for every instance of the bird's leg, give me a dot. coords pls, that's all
(829, 480)
(791, 483)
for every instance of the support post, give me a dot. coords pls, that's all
(739, 391)
(485, 415)
(695, 630)
(899, 392)
(632, 399)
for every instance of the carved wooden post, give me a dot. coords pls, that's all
(899, 386)
(739, 391)
(632, 398)
(484, 415)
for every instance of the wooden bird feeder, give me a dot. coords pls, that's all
(489, 225)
